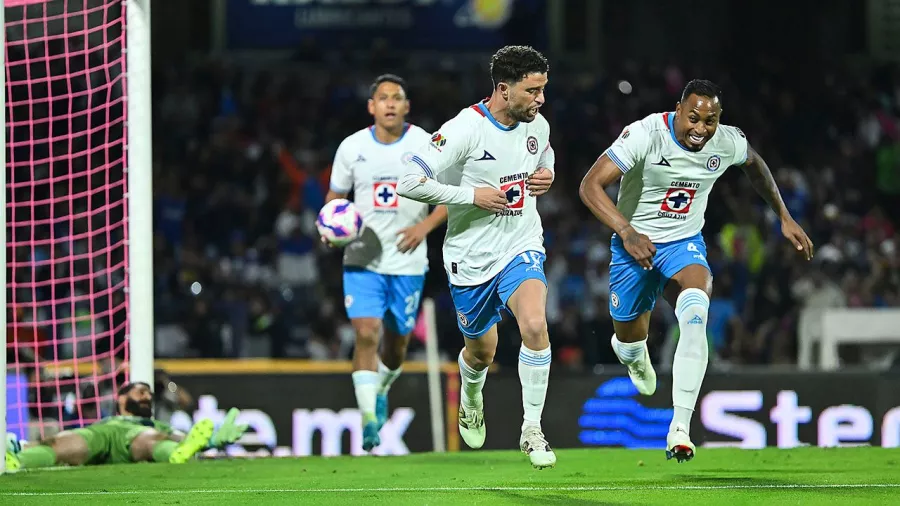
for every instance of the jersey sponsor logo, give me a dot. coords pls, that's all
(677, 203)
(625, 133)
(384, 194)
(360, 158)
(740, 132)
(713, 163)
(532, 144)
(515, 194)
(514, 188)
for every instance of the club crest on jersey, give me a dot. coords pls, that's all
(713, 163)
(532, 144)
(677, 203)
(515, 194)
(384, 195)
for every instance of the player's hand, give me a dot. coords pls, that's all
(327, 244)
(539, 182)
(639, 247)
(412, 238)
(490, 199)
(794, 233)
(229, 432)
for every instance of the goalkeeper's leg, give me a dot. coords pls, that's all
(74, 448)
(154, 446)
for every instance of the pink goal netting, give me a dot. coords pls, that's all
(66, 210)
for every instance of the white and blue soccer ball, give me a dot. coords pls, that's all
(339, 222)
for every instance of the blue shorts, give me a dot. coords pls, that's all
(478, 307)
(394, 299)
(632, 290)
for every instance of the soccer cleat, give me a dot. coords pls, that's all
(679, 445)
(381, 409)
(12, 462)
(12, 443)
(642, 374)
(371, 439)
(472, 427)
(533, 444)
(195, 441)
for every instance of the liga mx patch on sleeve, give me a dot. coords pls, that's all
(384, 194)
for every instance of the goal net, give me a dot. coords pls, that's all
(67, 212)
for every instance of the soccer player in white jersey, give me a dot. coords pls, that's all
(384, 270)
(668, 163)
(487, 165)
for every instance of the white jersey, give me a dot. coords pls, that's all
(665, 187)
(473, 150)
(371, 169)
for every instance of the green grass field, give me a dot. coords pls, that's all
(728, 477)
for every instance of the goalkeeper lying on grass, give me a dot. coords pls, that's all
(133, 436)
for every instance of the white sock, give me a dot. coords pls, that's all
(386, 377)
(365, 384)
(691, 354)
(472, 383)
(629, 353)
(534, 373)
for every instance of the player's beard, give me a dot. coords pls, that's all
(521, 114)
(141, 409)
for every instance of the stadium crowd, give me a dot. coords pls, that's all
(242, 154)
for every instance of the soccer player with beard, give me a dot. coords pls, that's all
(488, 165)
(668, 163)
(131, 436)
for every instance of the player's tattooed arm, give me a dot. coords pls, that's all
(763, 182)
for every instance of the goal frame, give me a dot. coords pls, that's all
(139, 195)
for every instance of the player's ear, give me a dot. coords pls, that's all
(371, 107)
(503, 88)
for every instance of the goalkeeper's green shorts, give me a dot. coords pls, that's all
(109, 442)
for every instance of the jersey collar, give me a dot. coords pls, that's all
(482, 109)
(372, 131)
(670, 122)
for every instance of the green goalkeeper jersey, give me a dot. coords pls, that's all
(109, 440)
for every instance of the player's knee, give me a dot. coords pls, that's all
(482, 358)
(367, 334)
(533, 329)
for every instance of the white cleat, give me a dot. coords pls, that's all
(472, 427)
(642, 374)
(533, 444)
(679, 445)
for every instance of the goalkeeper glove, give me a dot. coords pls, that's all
(229, 432)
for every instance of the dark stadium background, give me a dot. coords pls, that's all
(242, 134)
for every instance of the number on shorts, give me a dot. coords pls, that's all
(412, 302)
(535, 257)
(692, 247)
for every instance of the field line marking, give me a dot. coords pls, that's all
(612, 488)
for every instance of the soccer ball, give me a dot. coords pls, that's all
(339, 222)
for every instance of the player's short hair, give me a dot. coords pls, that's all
(387, 78)
(702, 88)
(512, 63)
(128, 387)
